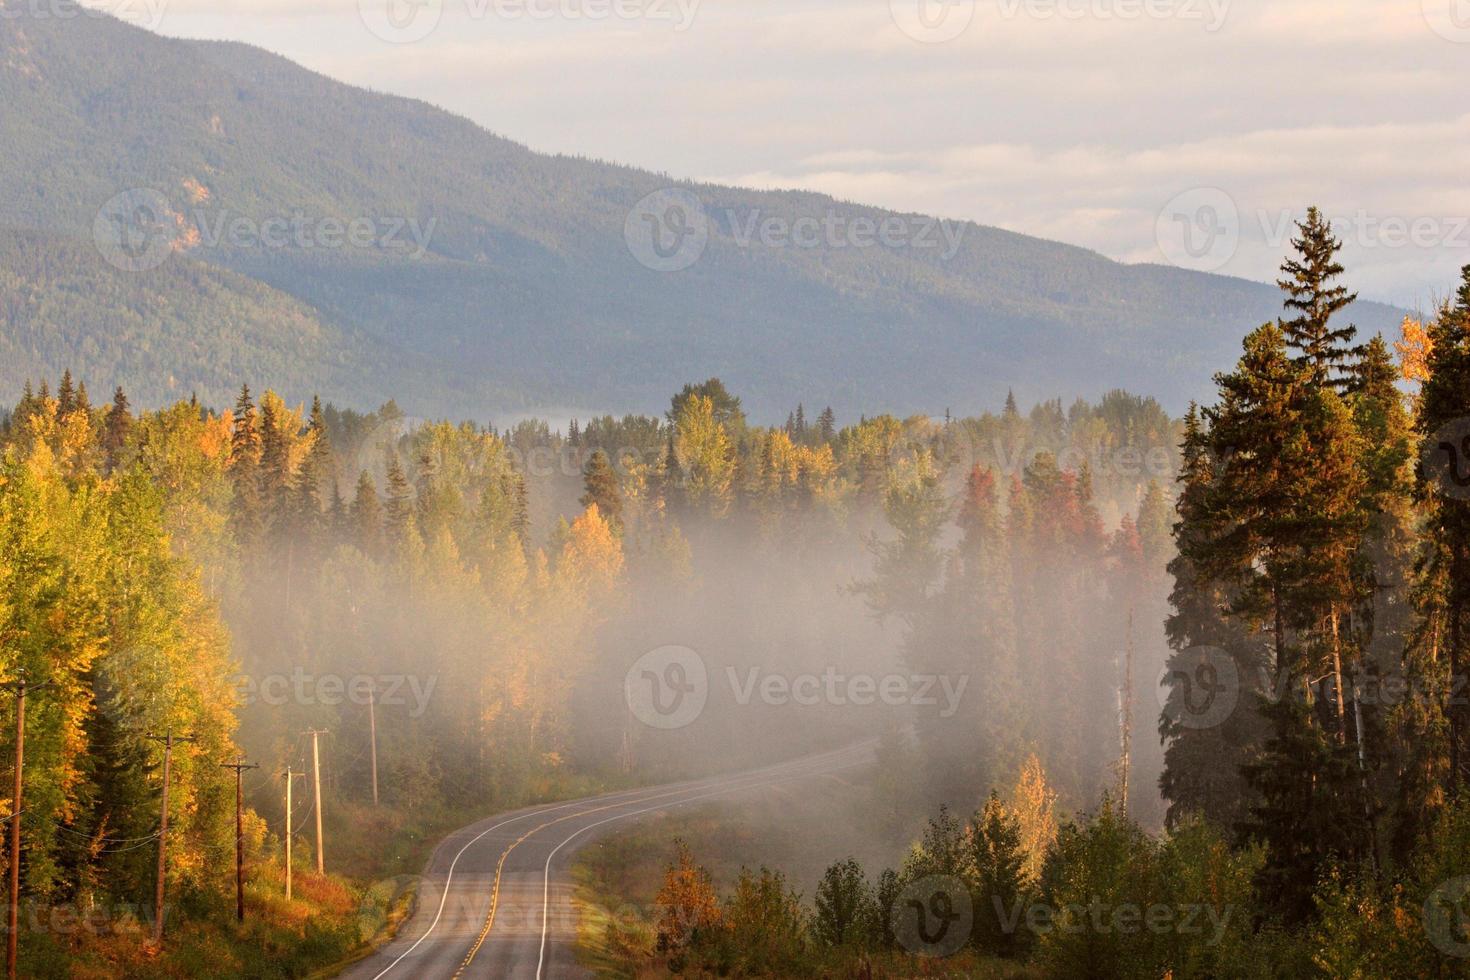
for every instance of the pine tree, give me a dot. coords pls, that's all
(997, 877)
(520, 520)
(115, 429)
(246, 518)
(1281, 535)
(398, 512)
(367, 516)
(275, 463)
(309, 487)
(827, 425)
(1308, 280)
(1307, 810)
(1204, 752)
(66, 395)
(1444, 409)
(600, 483)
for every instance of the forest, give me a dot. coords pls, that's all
(1211, 666)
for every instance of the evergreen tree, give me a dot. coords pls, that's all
(600, 484)
(66, 395)
(367, 516)
(115, 429)
(1444, 411)
(275, 463)
(997, 877)
(314, 479)
(1307, 810)
(398, 511)
(1214, 659)
(827, 425)
(1309, 280)
(246, 518)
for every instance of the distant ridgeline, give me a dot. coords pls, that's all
(224, 213)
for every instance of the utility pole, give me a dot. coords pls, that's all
(12, 940)
(373, 734)
(168, 739)
(316, 779)
(1127, 760)
(239, 766)
(290, 775)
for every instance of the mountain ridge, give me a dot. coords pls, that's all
(528, 294)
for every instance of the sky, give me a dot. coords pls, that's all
(1180, 131)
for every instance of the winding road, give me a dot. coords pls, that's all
(496, 898)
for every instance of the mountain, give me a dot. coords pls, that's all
(489, 280)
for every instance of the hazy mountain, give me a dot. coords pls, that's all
(491, 279)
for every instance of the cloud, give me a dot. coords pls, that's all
(1075, 127)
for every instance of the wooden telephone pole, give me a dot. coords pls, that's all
(168, 739)
(1126, 762)
(373, 735)
(290, 775)
(316, 780)
(239, 765)
(12, 939)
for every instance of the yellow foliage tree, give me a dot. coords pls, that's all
(1034, 803)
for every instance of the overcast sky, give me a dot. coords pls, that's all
(1150, 130)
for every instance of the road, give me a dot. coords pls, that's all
(496, 897)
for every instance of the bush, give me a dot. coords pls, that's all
(766, 925)
(847, 913)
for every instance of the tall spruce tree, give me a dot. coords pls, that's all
(1444, 425)
(367, 516)
(115, 430)
(1309, 280)
(246, 518)
(1210, 724)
